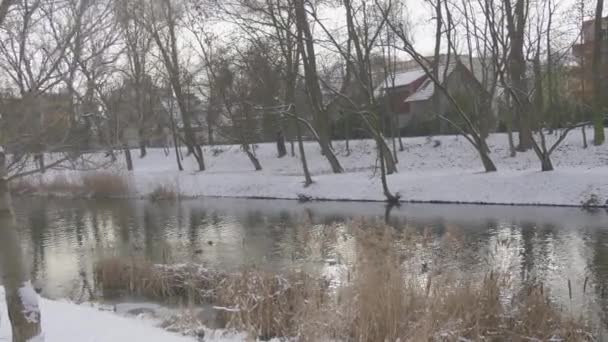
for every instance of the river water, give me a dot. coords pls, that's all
(63, 238)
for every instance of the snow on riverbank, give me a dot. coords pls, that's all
(67, 322)
(441, 169)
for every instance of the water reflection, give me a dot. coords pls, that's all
(63, 239)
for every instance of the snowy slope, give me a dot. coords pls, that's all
(443, 168)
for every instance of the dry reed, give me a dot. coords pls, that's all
(105, 184)
(163, 193)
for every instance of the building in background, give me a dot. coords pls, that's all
(412, 96)
(583, 52)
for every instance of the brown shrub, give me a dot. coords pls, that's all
(162, 193)
(267, 305)
(105, 184)
(60, 184)
(23, 187)
(189, 283)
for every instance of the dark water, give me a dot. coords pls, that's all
(63, 238)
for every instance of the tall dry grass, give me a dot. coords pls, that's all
(183, 283)
(90, 184)
(105, 184)
(383, 299)
(268, 305)
(163, 192)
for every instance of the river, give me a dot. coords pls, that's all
(63, 238)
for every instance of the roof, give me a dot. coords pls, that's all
(401, 79)
(427, 89)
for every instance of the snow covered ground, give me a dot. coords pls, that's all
(442, 169)
(67, 322)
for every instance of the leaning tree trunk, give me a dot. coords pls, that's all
(390, 198)
(128, 158)
(254, 160)
(484, 150)
(21, 299)
(307, 178)
(391, 163)
(374, 129)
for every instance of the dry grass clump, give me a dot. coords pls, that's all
(268, 305)
(93, 184)
(23, 187)
(58, 185)
(386, 300)
(105, 184)
(163, 193)
(161, 282)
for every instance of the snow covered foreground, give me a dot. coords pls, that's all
(442, 169)
(65, 322)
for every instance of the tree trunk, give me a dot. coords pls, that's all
(390, 198)
(254, 160)
(391, 164)
(128, 158)
(40, 157)
(347, 134)
(200, 159)
(512, 150)
(598, 123)
(395, 156)
(487, 162)
(176, 146)
(307, 178)
(584, 132)
(21, 299)
(401, 146)
(546, 164)
(142, 144)
(281, 149)
(210, 139)
(516, 24)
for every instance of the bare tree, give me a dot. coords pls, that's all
(233, 88)
(469, 129)
(21, 299)
(161, 21)
(357, 89)
(306, 46)
(138, 43)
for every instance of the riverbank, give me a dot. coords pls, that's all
(444, 169)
